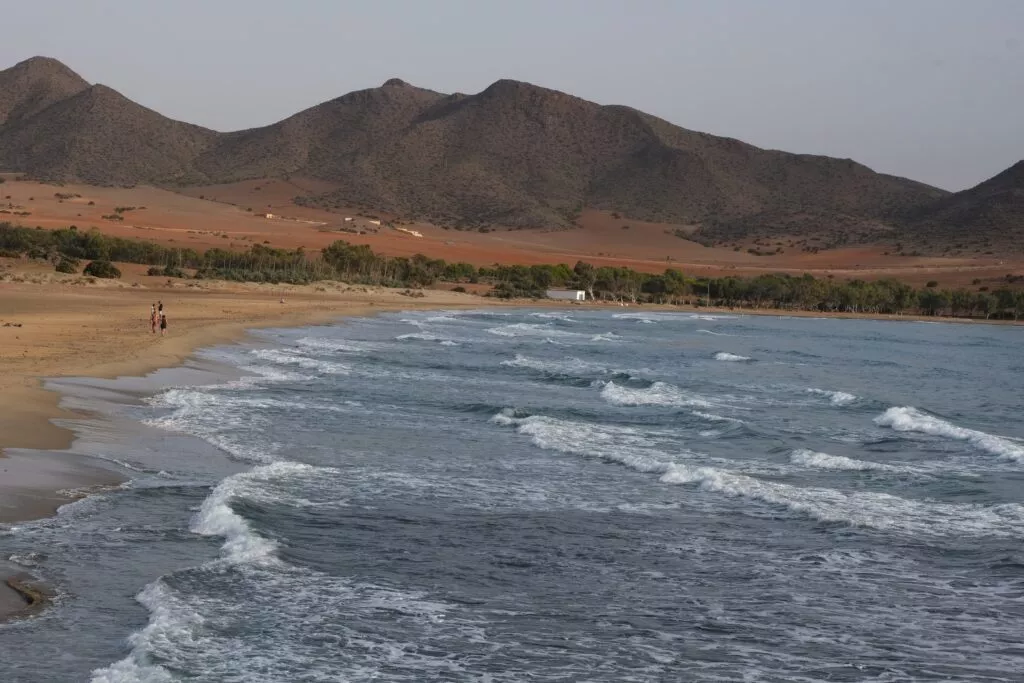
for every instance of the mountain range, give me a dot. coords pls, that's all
(513, 155)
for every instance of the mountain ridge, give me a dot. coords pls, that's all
(513, 155)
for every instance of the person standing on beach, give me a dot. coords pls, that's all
(152, 318)
(163, 323)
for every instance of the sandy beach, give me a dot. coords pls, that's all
(60, 327)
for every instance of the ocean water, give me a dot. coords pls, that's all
(523, 495)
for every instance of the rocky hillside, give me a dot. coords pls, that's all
(989, 215)
(513, 155)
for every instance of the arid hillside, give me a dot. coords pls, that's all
(235, 217)
(515, 155)
(991, 213)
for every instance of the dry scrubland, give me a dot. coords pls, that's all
(233, 217)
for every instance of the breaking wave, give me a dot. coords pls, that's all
(423, 336)
(836, 398)
(866, 509)
(730, 357)
(910, 419)
(824, 461)
(658, 394)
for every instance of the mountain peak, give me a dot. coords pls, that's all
(395, 83)
(43, 67)
(34, 84)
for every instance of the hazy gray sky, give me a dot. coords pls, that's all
(930, 89)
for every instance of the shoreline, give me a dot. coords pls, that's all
(65, 331)
(38, 467)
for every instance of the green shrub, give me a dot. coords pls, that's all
(102, 269)
(67, 265)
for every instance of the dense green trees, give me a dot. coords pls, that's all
(359, 264)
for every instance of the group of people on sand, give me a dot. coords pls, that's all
(157, 318)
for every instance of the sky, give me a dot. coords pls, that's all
(928, 89)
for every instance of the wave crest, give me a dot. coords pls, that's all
(910, 419)
(658, 394)
(730, 357)
(836, 398)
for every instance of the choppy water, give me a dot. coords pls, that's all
(548, 496)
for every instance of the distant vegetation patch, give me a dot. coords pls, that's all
(102, 269)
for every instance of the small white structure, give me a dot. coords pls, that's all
(414, 233)
(269, 215)
(567, 294)
(374, 222)
(348, 219)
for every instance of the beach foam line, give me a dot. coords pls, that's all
(836, 398)
(910, 419)
(658, 394)
(730, 357)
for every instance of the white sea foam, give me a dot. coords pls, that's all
(169, 622)
(825, 461)
(216, 518)
(701, 316)
(875, 510)
(717, 334)
(530, 330)
(206, 414)
(711, 417)
(658, 394)
(910, 419)
(625, 445)
(552, 316)
(606, 337)
(730, 357)
(204, 635)
(836, 398)
(566, 366)
(632, 448)
(285, 357)
(642, 318)
(338, 345)
(423, 336)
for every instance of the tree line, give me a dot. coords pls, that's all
(360, 264)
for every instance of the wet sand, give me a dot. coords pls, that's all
(55, 328)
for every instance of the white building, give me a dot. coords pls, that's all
(567, 294)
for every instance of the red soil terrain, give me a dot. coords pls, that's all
(234, 216)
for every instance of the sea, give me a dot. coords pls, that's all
(546, 495)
